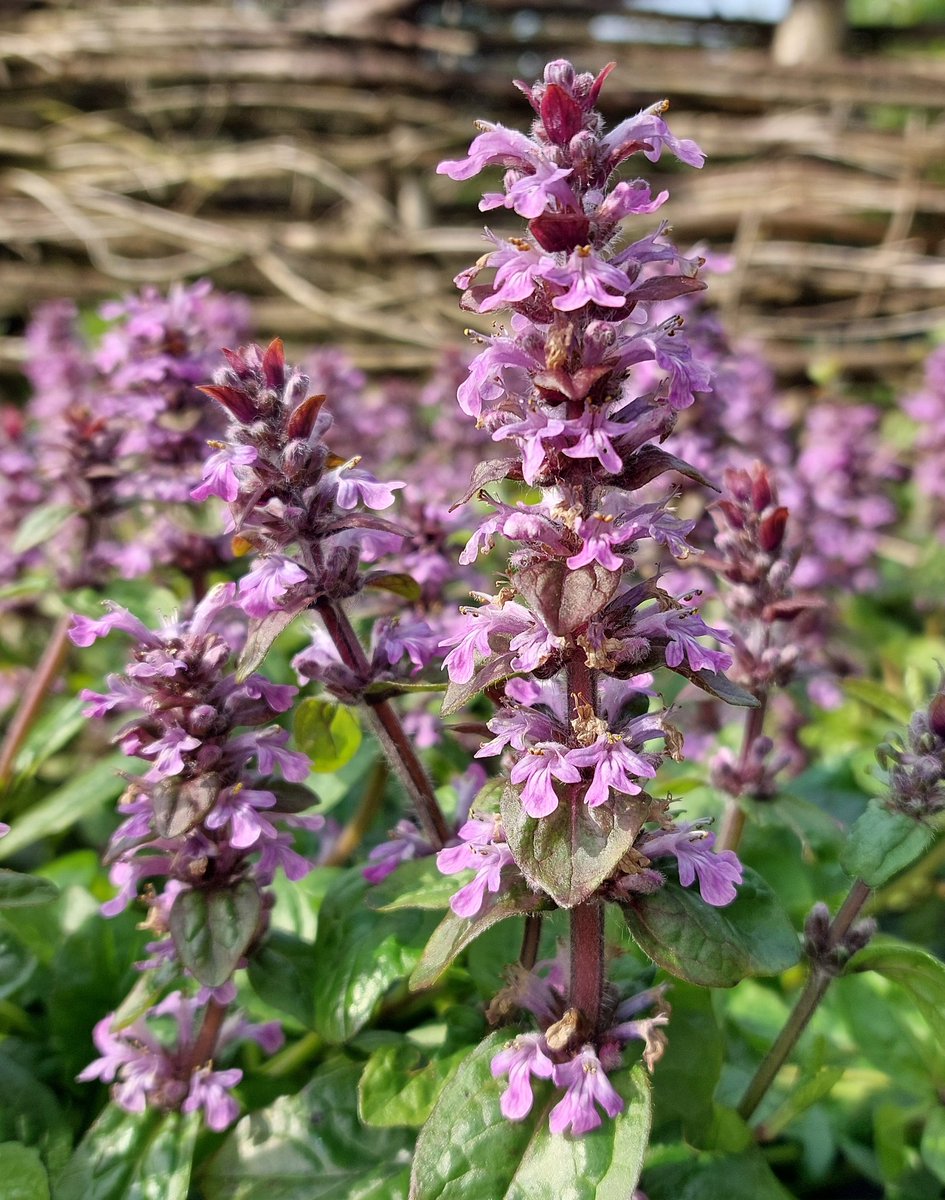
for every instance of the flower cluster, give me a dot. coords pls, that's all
(207, 799)
(205, 828)
(147, 1071)
(291, 499)
(927, 408)
(580, 388)
(839, 495)
(555, 1053)
(916, 765)
(118, 433)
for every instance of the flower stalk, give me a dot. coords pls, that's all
(839, 942)
(581, 387)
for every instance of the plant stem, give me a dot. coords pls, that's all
(814, 991)
(292, 1057)
(587, 919)
(353, 833)
(587, 963)
(530, 939)
(206, 1043)
(734, 816)
(386, 726)
(43, 678)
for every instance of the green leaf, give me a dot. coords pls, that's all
(495, 669)
(91, 973)
(920, 973)
(180, 805)
(283, 971)
(685, 1078)
(684, 1174)
(454, 934)
(569, 859)
(398, 582)
(40, 525)
(30, 1114)
(22, 1174)
(882, 843)
(57, 726)
(400, 1084)
(212, 929)
(360, 954)
(384, 690)
(714, 947)
(932, 1146)
(880, 698)
(467, 1149)
(808, 1093)
(261, 636)
(718, 685)
(327, 732)
(310, 1146)
(129, 1157)
(88, 792)
(416, 884)
(21, 891)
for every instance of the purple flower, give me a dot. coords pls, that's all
(208, 1090)
(496, 145)
(681, 627)
(600, 534)
(483, 851)
(537, 769)
(219, 472)
(85, 630)
(529, 195)
(360, 487)
(718, 874)
(395, 637)
(387, 857)
(266, 584)
(587, 278)
(520, 1060)
(586, 1086)
(615, 766)
(594, 431)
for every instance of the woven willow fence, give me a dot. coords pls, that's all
(288, 151)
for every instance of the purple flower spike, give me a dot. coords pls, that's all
(219, 472)
(587, 1086)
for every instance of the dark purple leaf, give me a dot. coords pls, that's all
(566, 599)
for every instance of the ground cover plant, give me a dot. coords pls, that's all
(571, 831)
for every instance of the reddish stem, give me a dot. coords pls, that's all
(587, 919)
(43, 678)
(205, 1046)
(387, 728)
